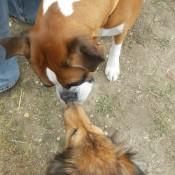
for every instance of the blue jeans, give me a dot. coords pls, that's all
(24, 10)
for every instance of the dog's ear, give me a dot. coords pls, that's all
(56, 167)
(138, 171)
(127, 166)
(61, 164)
(16, 46)
(85, 53)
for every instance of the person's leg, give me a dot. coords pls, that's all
(24, 10)
(30, 10)
(16, 9)
(9, 71)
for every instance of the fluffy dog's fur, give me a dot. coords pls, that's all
(88, 151)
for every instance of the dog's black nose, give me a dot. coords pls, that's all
(68, 96)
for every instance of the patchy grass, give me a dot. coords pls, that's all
(161, 125)
(163, 43)
(159, 2)
(2, 108)
(104, 105)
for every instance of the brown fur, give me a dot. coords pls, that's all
(47, 43)
(88, 151)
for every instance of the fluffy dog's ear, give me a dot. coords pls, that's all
(61, 165)
(85, 53)
(16, 46)
(56, 167)
(126, 166)
(138, 171)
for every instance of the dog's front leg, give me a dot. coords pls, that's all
(119, 32)
(112, 70)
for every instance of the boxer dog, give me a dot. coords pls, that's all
(88, 151)
(63, 47)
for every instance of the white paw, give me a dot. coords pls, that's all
(112, 71)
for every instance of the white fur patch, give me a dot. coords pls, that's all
(82, 90)
(47, 4)
(65, 6)
(112, 31)
(51, 76)
(112, 70)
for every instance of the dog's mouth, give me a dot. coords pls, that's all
(76, 94)
(69, 96)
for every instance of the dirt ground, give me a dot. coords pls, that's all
(141, 104)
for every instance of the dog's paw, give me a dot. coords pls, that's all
(112, 70)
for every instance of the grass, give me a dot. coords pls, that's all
(164, 43)
(2, 108)
(158, 2)
(161, 125)
(104, 105)
(161, 104)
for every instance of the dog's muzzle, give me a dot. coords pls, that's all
(68, 96)
(75, 93)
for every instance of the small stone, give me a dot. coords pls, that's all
(106, 126)
(26, 115)
(106, 133)
(36, 82)
(91, 115)
(60, 116)
(146, 137)
(58, 138)
(156, 19)
(10, 24)
(40, 140)
(107, 116)
(169, 120)
(119, 91)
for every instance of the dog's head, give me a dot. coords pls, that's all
(60, 52)
(66, 64)
(88, 151)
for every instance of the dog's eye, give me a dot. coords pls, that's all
(77, 83)
(74, 132)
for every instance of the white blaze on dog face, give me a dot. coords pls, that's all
(112, 31)
(82, 90)
(65, 6)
